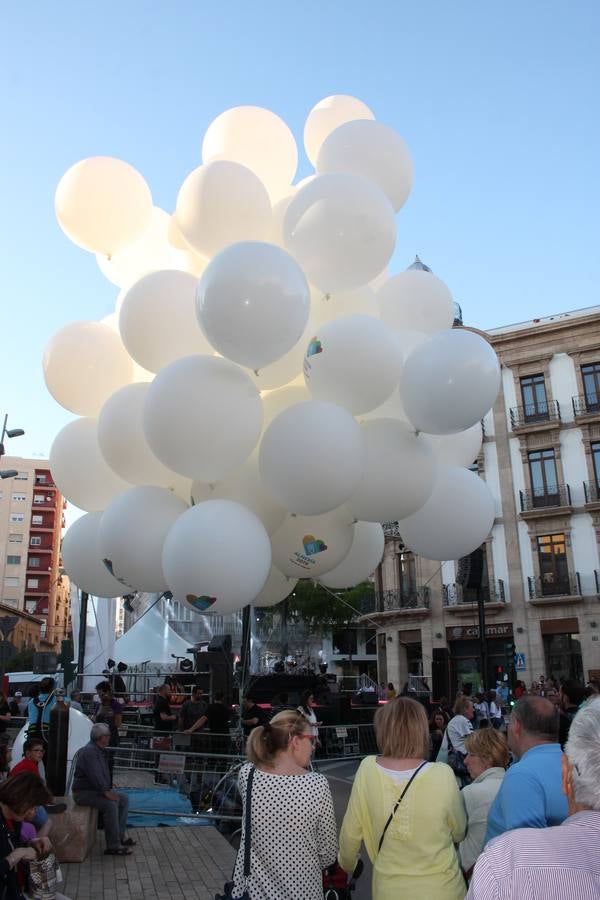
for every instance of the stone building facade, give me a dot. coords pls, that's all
(538, 572)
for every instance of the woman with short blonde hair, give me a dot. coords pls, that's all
(486, 762)
(406, 810)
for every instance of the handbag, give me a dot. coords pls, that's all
(398, 802)
(228, 888)
(44, 876)
(456, 761)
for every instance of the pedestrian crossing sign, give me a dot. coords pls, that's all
(520, 662)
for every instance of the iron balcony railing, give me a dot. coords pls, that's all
(551, 495)
(388, 601)
(532, 414)
(551, 585)
(586, 404)
(391, 529)
(455, 594)
(591, 492)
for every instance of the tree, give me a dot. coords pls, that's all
(319, 607)
(22, 661)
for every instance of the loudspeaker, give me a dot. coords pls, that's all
(45, 663)
(476, 574)
(439, 673)
(220, 642)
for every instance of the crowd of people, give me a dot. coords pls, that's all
(471, 802)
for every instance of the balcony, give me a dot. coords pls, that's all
(458, 600)
(591, 492)
(391, 530)
(551, 588)
(535, 504)
(536, 416)
(586, 406)
(403, 601)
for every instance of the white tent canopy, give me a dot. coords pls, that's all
(151, 639)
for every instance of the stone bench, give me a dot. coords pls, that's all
(73, 832)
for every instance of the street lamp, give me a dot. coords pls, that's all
(9, 433)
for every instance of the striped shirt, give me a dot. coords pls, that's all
(559, 863)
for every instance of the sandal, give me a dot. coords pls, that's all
(129, 842)
(118, 851)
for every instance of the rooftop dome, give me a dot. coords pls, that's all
(420, 266)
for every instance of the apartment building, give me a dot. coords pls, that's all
(31, 523)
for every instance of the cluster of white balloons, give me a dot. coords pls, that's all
(265, 394)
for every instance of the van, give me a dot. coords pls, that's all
(24, 681)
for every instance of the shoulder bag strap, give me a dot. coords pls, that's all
(248, 817)
(398, 802)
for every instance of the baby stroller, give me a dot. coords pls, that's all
(337, 884)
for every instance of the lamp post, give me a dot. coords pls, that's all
(10, 433)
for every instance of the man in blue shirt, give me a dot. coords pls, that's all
(38, 710)
(530, 795)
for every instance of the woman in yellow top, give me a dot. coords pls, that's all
(417, 858)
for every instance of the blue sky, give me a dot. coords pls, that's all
(498, 102)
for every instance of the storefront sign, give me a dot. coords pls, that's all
(464, 632)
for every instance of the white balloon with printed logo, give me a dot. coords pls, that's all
(341, 229)
(364, 556)
(82, 559)
(399, 475)
(80, 471)
(124, 446)
(253, 303)
(327, 115)
(222, 203)
(312, 457)
(309, 546)
(354, 361)
(461, 449)
(84, 363)
(132, 533)
(202, 417)
(373, 150)
(245, 486)
(216, 557)
(450, 381)
(455, 520)
(258, 139)
(157, 319)
(416, 300)
(277, 587)
(103, 204)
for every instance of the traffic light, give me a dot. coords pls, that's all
(510, 649)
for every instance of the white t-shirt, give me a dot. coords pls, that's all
(400, 775)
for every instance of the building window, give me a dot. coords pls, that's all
(18, 497)
(407, 574)
(563, 656)
(39, 498)
(13, 560)
(33, 562)
(535, 402)
(10, 601)
(35, 541)
(37, 520)
(542, 470)
(596, 458)
(371, 641)
(17, 517)
(40, 479)
(22, 476)
(15, 538)
(554, 572)
(11, 581)
(33, 583)
(344, 641)
(591, 386)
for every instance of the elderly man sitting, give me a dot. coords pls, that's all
(92, 787)
(562, 861)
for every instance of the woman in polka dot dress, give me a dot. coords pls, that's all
(293, 829)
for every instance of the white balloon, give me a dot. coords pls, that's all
(245, 486)
(399, 474)
(276, 401)
(151, 252)
(286, 369)
(124, 446)
(203, 417)
(327, 307)
(79, 469)
(329, 114)
(312, 457)
(341, 229)
(391, 409)
(139, 373)
(354, 361)
(363, 558)
(416, 300)
(258, 139)
(373, 150)
(309, 546)
(132, 532)
(82, 559)
(277, 588)
(253, 303)
(102, 204)
(157, 319)
(222, 203)
(84, 363)
(278, 215)
(450, 381)
(461, 449)
(456, 519)
(197, 561)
